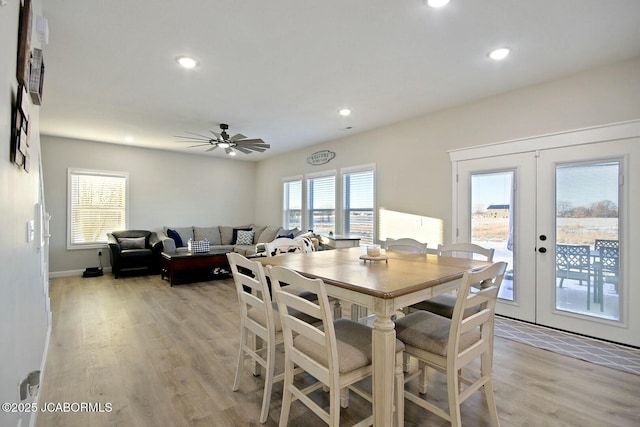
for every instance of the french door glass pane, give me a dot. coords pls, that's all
(492, 220)
(587, 236)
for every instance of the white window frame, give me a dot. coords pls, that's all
(71, 172)
(286, 198)
(343, 214)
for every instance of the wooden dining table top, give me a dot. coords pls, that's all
(401, 274)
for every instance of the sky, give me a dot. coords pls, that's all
(580, 185)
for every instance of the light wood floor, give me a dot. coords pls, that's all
(163, 356)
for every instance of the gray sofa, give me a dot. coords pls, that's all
(222, 237)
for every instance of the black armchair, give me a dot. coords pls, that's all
(133, 250)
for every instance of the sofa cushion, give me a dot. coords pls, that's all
(212, 234)
(268, 235)
(226, 234)
(245, 237)
(132, 242)
(257, 230)
(135, 253)
(245, 250)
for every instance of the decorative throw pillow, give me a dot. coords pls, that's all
(234, 238)
(131, 242)
(176, 237)
(245, 237)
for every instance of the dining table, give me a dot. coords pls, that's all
(385, 285)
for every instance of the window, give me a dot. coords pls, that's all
(97, 205)
(358, 203)
(321, 203)
(292, 206)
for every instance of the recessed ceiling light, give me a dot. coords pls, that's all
(187, 62)
(344, 112)
(437, 3)
(129, 138)
(499, 54)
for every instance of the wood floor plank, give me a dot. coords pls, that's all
(165, 356)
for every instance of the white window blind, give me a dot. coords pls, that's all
(358, 204)
(321, 203)
(97, 205)
(292, 206)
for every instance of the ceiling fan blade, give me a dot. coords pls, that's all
(196, 134)
(198, 145)
(258, 149)
(228, 150)
(213, 147)
(265, 146)
(192, 138)
(196, 141)
(252, 141)
(242, 149)
(237, 137)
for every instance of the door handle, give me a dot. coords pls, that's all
(542, 250)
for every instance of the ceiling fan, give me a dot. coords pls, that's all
(237, 142)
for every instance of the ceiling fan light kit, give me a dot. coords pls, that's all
(237, 142)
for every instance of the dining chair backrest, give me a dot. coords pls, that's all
(606, 243)
(406, 244)
(256, 320)
(573, 262)
(488, 281)
(289, 302)
(573, 257)
(467, 250)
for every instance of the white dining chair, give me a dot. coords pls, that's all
(284, 245)
(444, 304)
(449, 345)
(337, 354)
(257, 323)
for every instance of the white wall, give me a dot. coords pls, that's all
(412, 163)
(165, 189)
(23, 286)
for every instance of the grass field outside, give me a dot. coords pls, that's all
(572, 231)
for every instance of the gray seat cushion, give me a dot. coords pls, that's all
(354, 346)
(443, 305)
(245, 250)
(258, 316)
(430, 332)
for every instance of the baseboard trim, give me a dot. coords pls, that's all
(70, 273)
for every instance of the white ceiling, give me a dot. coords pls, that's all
(281, 69)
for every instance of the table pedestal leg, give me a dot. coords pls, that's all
(384, 343)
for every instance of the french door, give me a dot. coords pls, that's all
(560, 217)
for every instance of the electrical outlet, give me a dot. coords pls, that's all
(99, 252)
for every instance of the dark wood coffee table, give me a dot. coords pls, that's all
(193, 262)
